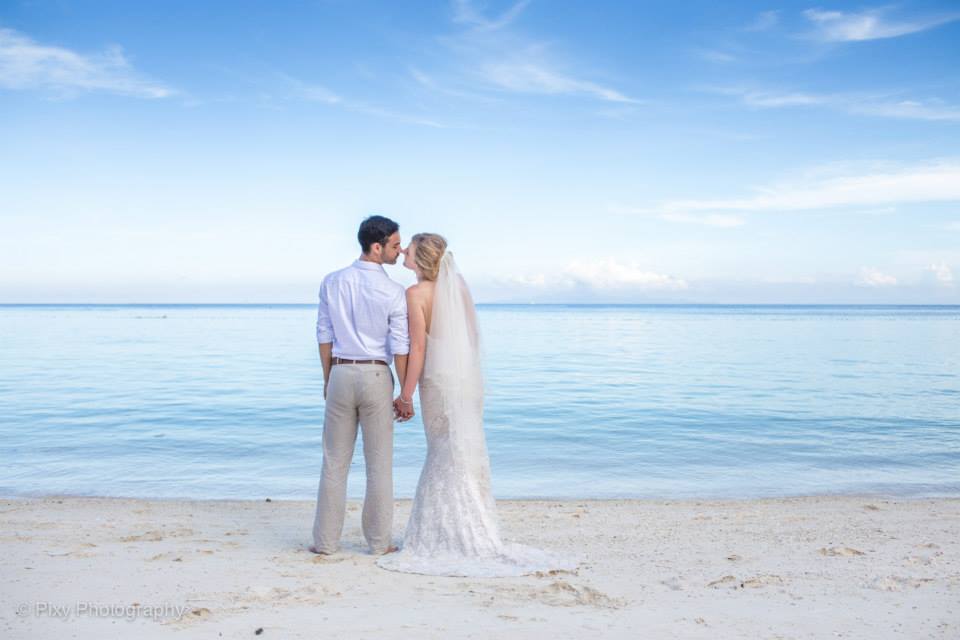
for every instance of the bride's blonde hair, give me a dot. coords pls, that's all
(429, 251)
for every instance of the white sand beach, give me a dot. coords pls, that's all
(810, 567)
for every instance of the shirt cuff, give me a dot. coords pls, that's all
(400, 348)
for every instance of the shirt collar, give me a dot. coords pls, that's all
(370, 266)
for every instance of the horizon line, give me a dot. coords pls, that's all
(501, 304)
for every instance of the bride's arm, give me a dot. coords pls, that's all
(416, 313)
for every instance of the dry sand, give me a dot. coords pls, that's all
(811, 567)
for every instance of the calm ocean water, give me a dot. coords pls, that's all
(582, 401)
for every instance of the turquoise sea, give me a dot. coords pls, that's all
(225, 401)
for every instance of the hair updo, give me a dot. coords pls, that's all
(429, 251)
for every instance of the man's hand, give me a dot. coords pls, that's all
(402, 410)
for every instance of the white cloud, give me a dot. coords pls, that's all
(536, 280)
(26, 64)
(765, 21)
(870, 277)
(422, 78)
(465, 13)
(837, 26)
(496, 57)
(913, 109)
(613, 274)
(319, 93)
(767, 99)
(880, 106)
(709, 220)
(389, 114)
(428, 82)
(788, 280)
(953, 226)
(933, 182)
(607, 275)
(532, 76)
(715, 55)
(942, 274)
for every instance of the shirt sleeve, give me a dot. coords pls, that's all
(399, 329)
(324, 325)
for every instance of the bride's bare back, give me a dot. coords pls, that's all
(420, 305)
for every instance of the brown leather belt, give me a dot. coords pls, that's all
(337, 360)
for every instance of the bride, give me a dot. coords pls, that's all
(453, 528)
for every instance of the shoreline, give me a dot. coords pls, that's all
(658, 500)
(815, 566)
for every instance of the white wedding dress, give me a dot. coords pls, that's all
(453, 528)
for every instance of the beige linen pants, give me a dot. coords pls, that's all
(357, 393)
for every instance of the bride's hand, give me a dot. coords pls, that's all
(403, 409)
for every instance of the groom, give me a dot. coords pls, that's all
(361, 322)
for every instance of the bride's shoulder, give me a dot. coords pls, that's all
(421, 289)
(420, 293)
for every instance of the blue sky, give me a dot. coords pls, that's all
(570, 151)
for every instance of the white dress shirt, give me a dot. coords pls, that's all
(363, 313)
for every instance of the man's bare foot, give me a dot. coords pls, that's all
(391, 549)
(313, 549)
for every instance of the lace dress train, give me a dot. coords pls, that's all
(453, 528)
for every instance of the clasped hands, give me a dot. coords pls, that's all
(402, 410)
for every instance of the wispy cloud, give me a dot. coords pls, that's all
(772, 99)
(500, 58)
(534, 280)
(709, 220)
(465, 13)
(528, 75)
(764, 21)
(601, 275)
(715, 55)
(880, 106)
(942, 274)
(839, 26)
(870, 277)
(429, 82)
(28, 65)
(390, 114)
(932, 182)
(931, 110)
(611, 273)
(319, 93)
